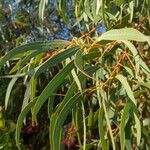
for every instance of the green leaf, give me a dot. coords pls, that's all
(129, 70)
(124, 34)
(119, 2)
(145, 84)
(28, 57)
(124, 119)
(9, 89)
(131, 10)
(32, 46)
(144, 67)
(135, 54)
(127, 87)
(42, 8)
(79, 63)
(138, 129)
(26, 95)
(58, 119)
(72, 90)
(89, 146)
(98, 4)
(76, 79)
(51, 87)
(84, 126)
(102, 128)
(87, 9)
(15, 68)
(56, 59)
(21, 117)
(92, 55)
(50, 106)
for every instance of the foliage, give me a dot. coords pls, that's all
(91, 92)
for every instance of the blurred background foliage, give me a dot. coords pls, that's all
(26, 21)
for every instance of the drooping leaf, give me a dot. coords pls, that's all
(101, 128)
(127, 87)
(28, 57)
(124, 119)
(135, 55)
(51, 87)
(129, 71)
(21, 117)
(42, 8)
(70, 93)
(56, 59)
(79, 63)
(32, 46)
(8, 92)
(58, 119)
(138, 129)
(84, 126)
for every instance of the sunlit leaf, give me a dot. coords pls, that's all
(138, 129)
(127, 87)
(42, 8)
(9, 90)
(124, 34)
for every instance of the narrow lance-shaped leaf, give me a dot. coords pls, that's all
(42, 8)
(101, 128)
(124, 120)
(28, 57)
(56, 59)
(26, 95)
(144, 84)
(139, 62)
(32, 46)
(51, 87)
(73, 88)
(84, 126)
(21, 117)
(134, 53)
(138, 128)
(15, 68)
(126, 86)
(98, 4)
(131, 9)
(79, 63)
(87, 9)
(76, 79)
(124, 34)
(9, 89)
(100, 113)
(58, 119)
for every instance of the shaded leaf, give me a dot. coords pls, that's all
(21, 117)
(124, 119)
(51, 87)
